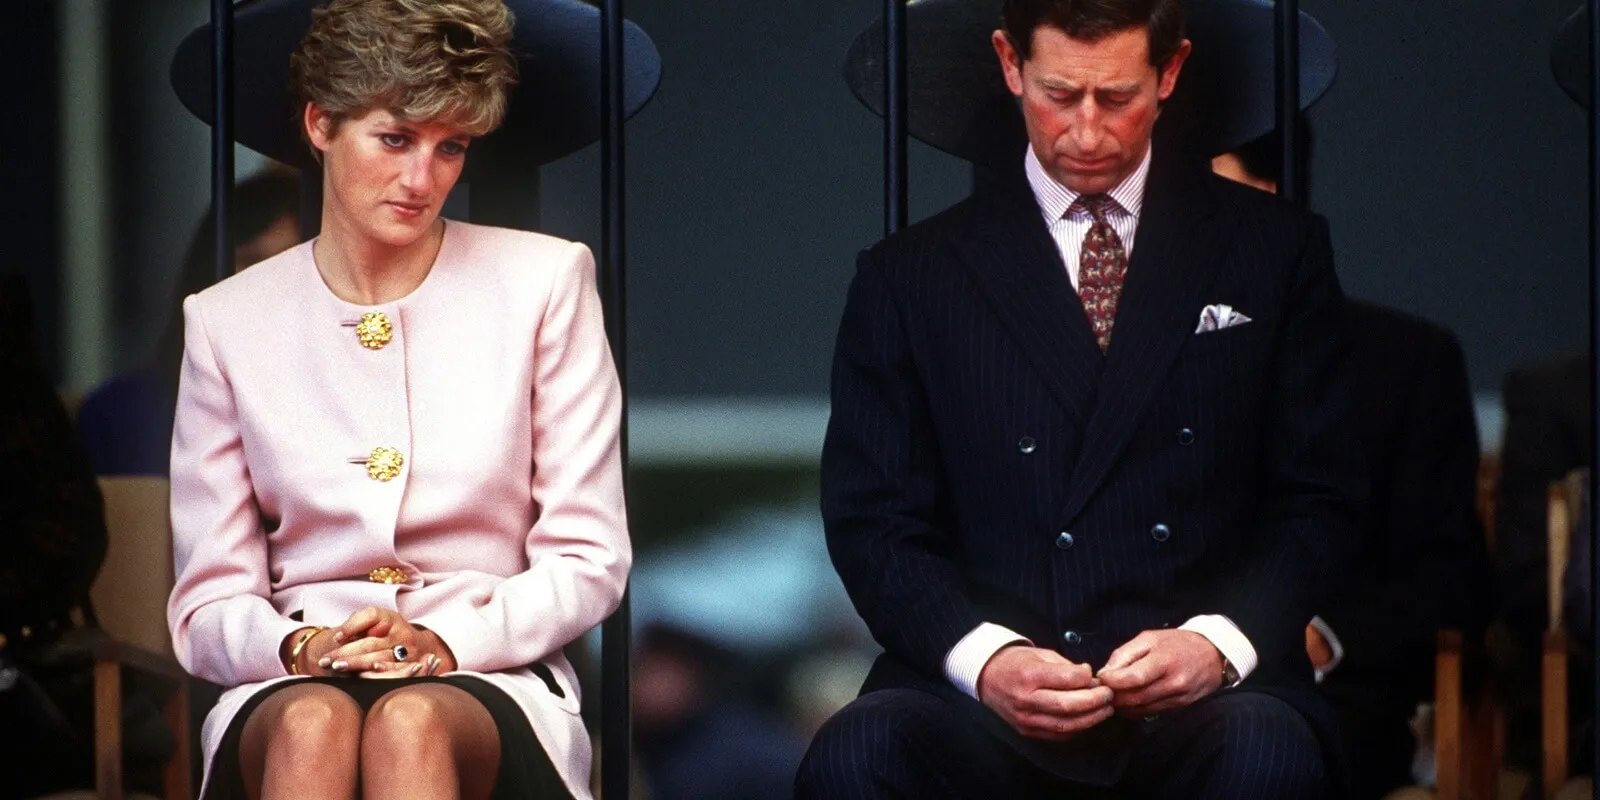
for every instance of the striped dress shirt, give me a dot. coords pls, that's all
(965, 662)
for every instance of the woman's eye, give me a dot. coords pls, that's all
(392, 139)
(452, 148)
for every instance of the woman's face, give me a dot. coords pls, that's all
(387, 177)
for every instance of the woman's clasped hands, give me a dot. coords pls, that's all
(376, 643)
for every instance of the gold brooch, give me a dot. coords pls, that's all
(387, 575)
(384, 464)
(374, 330)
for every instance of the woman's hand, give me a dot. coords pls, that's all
(366, 647)
(320, 644)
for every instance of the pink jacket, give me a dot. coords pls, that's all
(506, 517)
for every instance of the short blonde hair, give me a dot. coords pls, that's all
(422, 60)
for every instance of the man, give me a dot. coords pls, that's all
(1086, 469)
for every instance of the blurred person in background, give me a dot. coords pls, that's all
(698, 740)
(1548, 428)
(126, 423)
(52, 544)
(396, 473)
(1422, 565)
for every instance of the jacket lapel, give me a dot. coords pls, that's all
(1180, 238)
(1017, 267)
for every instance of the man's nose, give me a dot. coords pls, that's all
(1087, 132)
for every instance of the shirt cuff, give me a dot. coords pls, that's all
(965, 662)
(1334, 645)
(1228, 640)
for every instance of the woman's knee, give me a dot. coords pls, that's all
(408, 723)
(313, 722)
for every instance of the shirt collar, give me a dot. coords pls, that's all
(1054, 199)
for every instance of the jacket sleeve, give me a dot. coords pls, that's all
(1314, 484)
(224, 629)
(882, 506)
(578, 548)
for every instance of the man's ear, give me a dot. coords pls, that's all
(1169, 71)
(1010, 61)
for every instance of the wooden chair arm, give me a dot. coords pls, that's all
(155, 664)
(1553, 700)
(110, 656)
(1449, 715)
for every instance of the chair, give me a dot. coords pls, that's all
(1565, 500)
(130, 600)
(1469, 731)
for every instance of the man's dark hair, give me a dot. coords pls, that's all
(1093, 20)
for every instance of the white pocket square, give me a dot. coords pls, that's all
(1219, 316)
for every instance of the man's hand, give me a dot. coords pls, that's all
(1317, 648)
(1161, 671)
(1041, 694)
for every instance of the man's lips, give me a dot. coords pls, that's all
(1088, 165)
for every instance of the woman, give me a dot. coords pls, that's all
(396, 480)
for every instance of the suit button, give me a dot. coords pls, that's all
(389, 575)
(1072, 637)
(1064, 541)
(1161, 533)
(1027, 445)
(384, 464)
(374, 330)
(1185, 437)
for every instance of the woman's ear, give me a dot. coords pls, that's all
(318, 127)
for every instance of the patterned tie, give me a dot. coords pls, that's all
(1102, 264)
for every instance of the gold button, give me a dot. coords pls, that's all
(384, 464)
(374, 330)
(387, 575)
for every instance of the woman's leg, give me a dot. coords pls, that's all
(302, 742)
(429, 740)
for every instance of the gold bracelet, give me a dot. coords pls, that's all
(300, 646)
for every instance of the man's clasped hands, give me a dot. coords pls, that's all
(1045, 696)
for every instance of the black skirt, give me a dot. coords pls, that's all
(526, 771)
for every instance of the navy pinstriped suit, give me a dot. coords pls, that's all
(962, 338)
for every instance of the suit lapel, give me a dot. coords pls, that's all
(1017, 267)
(1180, 238)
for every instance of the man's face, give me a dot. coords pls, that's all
(1089, 107)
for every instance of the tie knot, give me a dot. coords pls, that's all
(1097, 206)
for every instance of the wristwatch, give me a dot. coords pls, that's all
(1230, 674)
